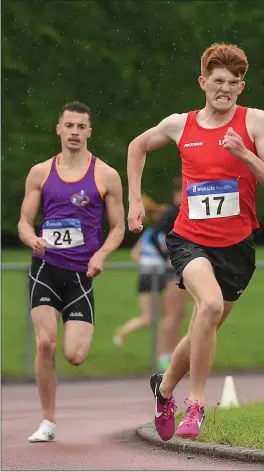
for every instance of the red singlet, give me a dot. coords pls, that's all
(219, 190)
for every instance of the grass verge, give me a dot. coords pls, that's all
(240, 340)
(240, 427)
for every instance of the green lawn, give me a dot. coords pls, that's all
(241, 426)
(24, 255)
(240, 340)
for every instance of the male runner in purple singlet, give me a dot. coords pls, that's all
(73, 190)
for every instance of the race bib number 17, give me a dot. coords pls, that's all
(213, 199)
(63, 233)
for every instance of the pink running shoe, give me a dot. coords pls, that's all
(165, 409)
(190, 425)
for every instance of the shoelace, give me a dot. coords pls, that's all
(169, 408)
(48, 434)
(192, 412)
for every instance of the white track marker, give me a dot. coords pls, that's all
(229, 396)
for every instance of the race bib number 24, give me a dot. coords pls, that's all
(213, 199)
(63, 233)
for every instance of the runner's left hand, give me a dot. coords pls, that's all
(233, 143)
(95, 265)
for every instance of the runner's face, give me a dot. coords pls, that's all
(221, 88)
(74, 129)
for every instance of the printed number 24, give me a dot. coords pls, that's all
(207, 205)
(59, 239)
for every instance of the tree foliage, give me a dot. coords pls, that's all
(132, 62)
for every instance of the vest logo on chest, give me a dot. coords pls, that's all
(188, 145)
(80, 199)
(191, 145)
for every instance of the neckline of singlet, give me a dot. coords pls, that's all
(90, 161)
(238, 107)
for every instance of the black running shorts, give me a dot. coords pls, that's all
(70, 293)
(145, 283)
(233, 265)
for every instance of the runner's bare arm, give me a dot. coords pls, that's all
(167, 130)
(115, 212)
(257, 165)
(30, 205)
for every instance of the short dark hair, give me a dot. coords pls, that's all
(177, 184)
(75, 106)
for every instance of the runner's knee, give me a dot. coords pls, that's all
(211, 309)
(74, 358)
(75, 355)
(46, 347)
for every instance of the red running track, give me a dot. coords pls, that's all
(96, 424)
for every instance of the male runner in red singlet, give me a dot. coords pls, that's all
(211, 247)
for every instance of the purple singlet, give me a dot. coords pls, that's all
(72, 219)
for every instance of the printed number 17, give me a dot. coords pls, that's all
(207, 205)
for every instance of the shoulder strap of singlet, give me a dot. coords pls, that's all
(239, 116)
(51, 169)
(53, 164)
(92, 164)
(240, 112)
(189, 121)
(91, 172)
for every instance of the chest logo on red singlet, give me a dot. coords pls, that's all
(188, 145)
(80, 199)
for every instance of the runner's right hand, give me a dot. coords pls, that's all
(136, 214)
(39, 246)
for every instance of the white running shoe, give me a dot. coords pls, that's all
(118, 341)
(45, 432)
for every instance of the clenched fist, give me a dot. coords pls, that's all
(95, 265)
(234, 143)
(39, 246)
(136, 214)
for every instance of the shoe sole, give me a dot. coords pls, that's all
(32, 439)
(153, 382)
(186, 436)
(40, 440)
